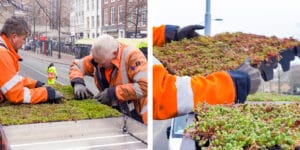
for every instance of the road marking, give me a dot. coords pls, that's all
(71, 140)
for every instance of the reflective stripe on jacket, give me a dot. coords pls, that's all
(14, 87)
(129, 76)
(179, 95)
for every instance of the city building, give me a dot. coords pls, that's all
(124, 18)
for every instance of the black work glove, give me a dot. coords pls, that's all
(107, 96)
(54, 96)
(39, 84)
(82, 92)
(286, 57)
(246, 80)
(254, 75)
(188, 31)
(174, 33)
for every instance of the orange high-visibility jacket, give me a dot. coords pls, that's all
(14, 87)
(129, 76)
(158, 36)
(179, 95)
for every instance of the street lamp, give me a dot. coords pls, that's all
(208, 19)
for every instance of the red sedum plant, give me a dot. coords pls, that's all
(203, 55)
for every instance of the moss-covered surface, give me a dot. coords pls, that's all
(69, 109)
(272, 97)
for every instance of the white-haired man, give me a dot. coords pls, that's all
(120, 74)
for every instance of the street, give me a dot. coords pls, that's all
(36, 69)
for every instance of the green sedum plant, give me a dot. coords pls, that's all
(246, 126)
(69, 109)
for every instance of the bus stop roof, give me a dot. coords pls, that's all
(129, 41)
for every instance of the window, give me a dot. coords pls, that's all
(87, 22)
(112, 15)
(143, 20)
(105, 1)
(98, 21)
(93, 21)
(105, 20)
(87, 5)
(120, 14)
(93, 6)
(112, 1)
(130, 17)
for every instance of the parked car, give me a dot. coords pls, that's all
(175, 131)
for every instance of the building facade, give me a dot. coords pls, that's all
(124, 18)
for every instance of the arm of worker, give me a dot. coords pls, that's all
(179, 95)
(15, 91)
(137, 76)
(167, 33)
(31, 83)
(78, 69)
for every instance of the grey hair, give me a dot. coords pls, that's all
(104, 45)
(15, 25)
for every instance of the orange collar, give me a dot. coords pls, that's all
(10, 47)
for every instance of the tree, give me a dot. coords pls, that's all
(136, 14)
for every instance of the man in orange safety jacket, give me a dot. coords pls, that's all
(15, 88)
(178, 95)
(120, 74)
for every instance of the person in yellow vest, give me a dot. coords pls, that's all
(143, 46)
(52, 74)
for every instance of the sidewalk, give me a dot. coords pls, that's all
(64, 59)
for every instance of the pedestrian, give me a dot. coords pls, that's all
(14, 87)
(143, 46)
(52, 74)
(120, 74)
(178, 95)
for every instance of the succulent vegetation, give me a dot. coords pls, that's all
(273, 97)
(69, 109)
(247, 126)
(204, 55)
(250, 126)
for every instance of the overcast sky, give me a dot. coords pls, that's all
(268, 17)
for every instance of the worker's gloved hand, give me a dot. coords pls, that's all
(175, 33)
(39, 84)
(254, 74)
(82, 92)
(54, 96)
(58, 97)
(107, 96)
(188, 31)
(246, 79)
